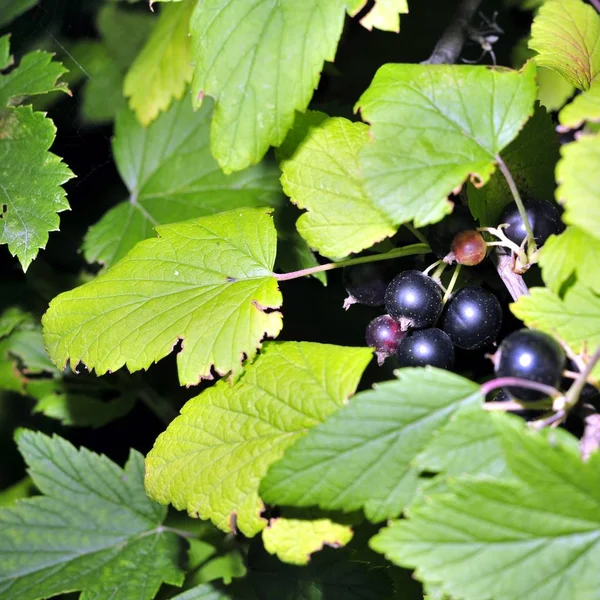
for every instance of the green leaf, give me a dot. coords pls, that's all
(261, 61)
(162, 70)
(579, 184)
(207, 282)
(585, 107)
(171, 176)
(467, 444)
(566, 34)
(531, 158)
(361, 457)
(210, 460)
(433, 126)
(384, 14)
(30, 177)
(571, 252)
(535, 538)
(294, 540)
(6, 60)
(93, 529)
(331, 574)
(28, 346)
(12, 318)
(323, 176)
(36, 74)
(574, 318)
(11, 9)
(21, 489)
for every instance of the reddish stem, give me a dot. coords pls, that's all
(501, 382)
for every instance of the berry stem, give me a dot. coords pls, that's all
(451, 284)
(572, 396)
(416, 233)
(532, 247)
(395, 253)
(501, 382)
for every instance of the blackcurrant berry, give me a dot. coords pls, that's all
(383, 334)
(468, 248)
(441, 234)
(472, 318)
(414, 300)
(426, 347)
(544, 219)
(531, 355)
(366, 284)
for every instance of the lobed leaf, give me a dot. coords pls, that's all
(535, 537)
(294, 540)
(566, 34)
(211, 458)
(578, 181)
(384, 14)
(162, 70)
(93, 529)
(11, 9)
(171, 176)
(361, 457)
(323, 176)
(433, 126)
(585, 107)
(207, 282)
(261, 61)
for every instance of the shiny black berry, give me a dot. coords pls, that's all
(472, 318)
(366, 284)
(383, 334)
(426, 347)
(414, 300)
(543, 216)
(532, 355)
(441, 234)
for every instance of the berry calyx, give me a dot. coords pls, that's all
(425, 347)
(383, 334)
(543, 216)
(531, 355)
(472, 318)
(468, 248)
(414, 300)
(366, 284)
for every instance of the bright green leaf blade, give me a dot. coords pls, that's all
(261, 61)
(162, 70)
(30, 180)
(11, 9)
(36, 74)
(94, 529)
(22, 489)
(361, 456)
(585, 107)
(207, 282)
(571, 252)
(384, 15)
(531, 158)
(294, 540)
(210, 460)
(574, 318)
(578, 180)
(6, 59)
(536, 538)
(323, 176)
(330, 575)
(433, 126)
(171, 176)
(566, 34)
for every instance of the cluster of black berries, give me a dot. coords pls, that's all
(420, 330)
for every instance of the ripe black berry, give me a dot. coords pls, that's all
(472, 318)
(383, 334)
(365, 284)
(468, 248)
(426, 347)
(532, 355)
(543, 217)
(414, 300)
(441, 234)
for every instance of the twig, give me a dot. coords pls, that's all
(590, 440)
(595, 4)
(450, 45)
(514, 283)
